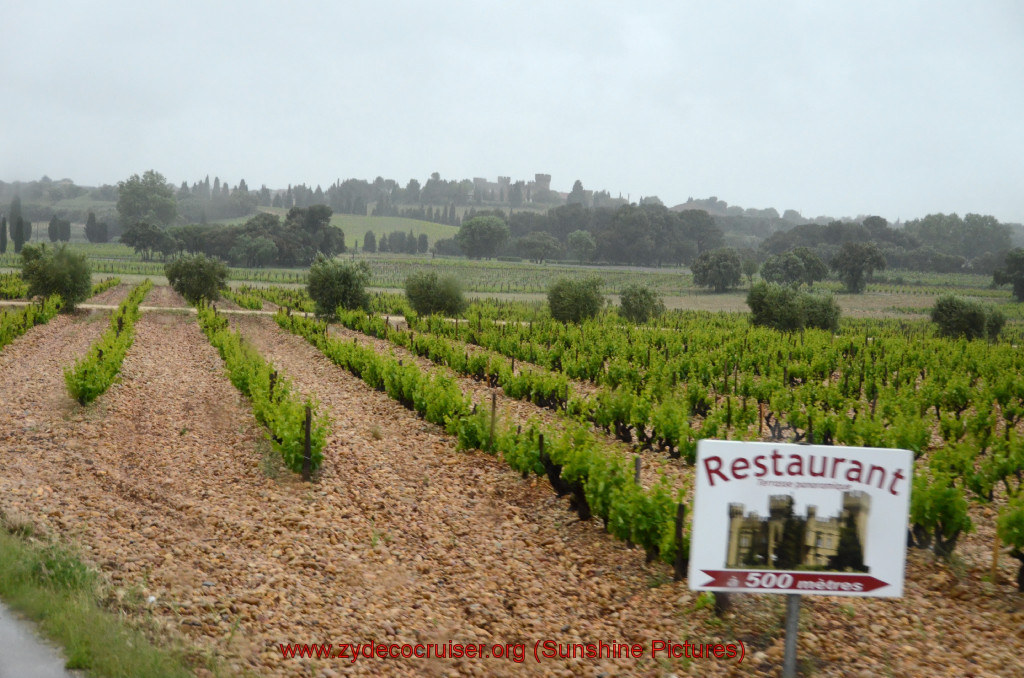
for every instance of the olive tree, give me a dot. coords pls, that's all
(638, 303)
(429, 293)
(959, 317)
(333, 284)
(197, 277)
(575, 300)
(855, 262)
(56, 271)
(1012, 272)
(718, 269)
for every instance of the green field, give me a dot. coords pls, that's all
(355, 226)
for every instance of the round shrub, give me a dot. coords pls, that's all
(333, 284)
(959, 317)
(639, 303)
(820, 311)
(572, 301)
(787, 309)
(56, 271)
(776, 306)
(429, 294)
(197, 277)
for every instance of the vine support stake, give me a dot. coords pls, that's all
(637, 465)
(307, 455)
(494, 412)
(680, 563)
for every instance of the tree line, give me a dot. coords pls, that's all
(938, 242)
(264, 240)
(396, 241)
(591, 227)
(640, 235)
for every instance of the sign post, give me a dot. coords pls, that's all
(799, 520)
(792, 626)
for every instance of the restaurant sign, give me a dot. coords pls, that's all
(804, 519)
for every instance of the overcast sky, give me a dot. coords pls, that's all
(839, 108)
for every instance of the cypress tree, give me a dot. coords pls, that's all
(92, 233)
(53, 229)
(3, 235)
(15, 212)
(18, 234)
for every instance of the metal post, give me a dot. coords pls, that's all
(792, 624)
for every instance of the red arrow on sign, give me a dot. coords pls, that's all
(807, 582)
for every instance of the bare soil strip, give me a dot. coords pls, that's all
(113, 296)
(165, 297)
(402, 539)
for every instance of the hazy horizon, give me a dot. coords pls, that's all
(896, 110)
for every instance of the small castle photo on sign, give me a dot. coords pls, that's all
(783, 540)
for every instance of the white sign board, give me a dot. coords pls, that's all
(806, 519)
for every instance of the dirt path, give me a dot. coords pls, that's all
(164, 297)
(113, 296)
(33, 365)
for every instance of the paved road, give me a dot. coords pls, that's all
(23, 654)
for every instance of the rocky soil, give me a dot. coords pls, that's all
(167, 485)
(654, 463)
(113, 296)
(162, 296)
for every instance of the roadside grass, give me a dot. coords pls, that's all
(50, 585)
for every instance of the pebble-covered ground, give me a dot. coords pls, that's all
(654, 463)
(167, 486)
(115, 295)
